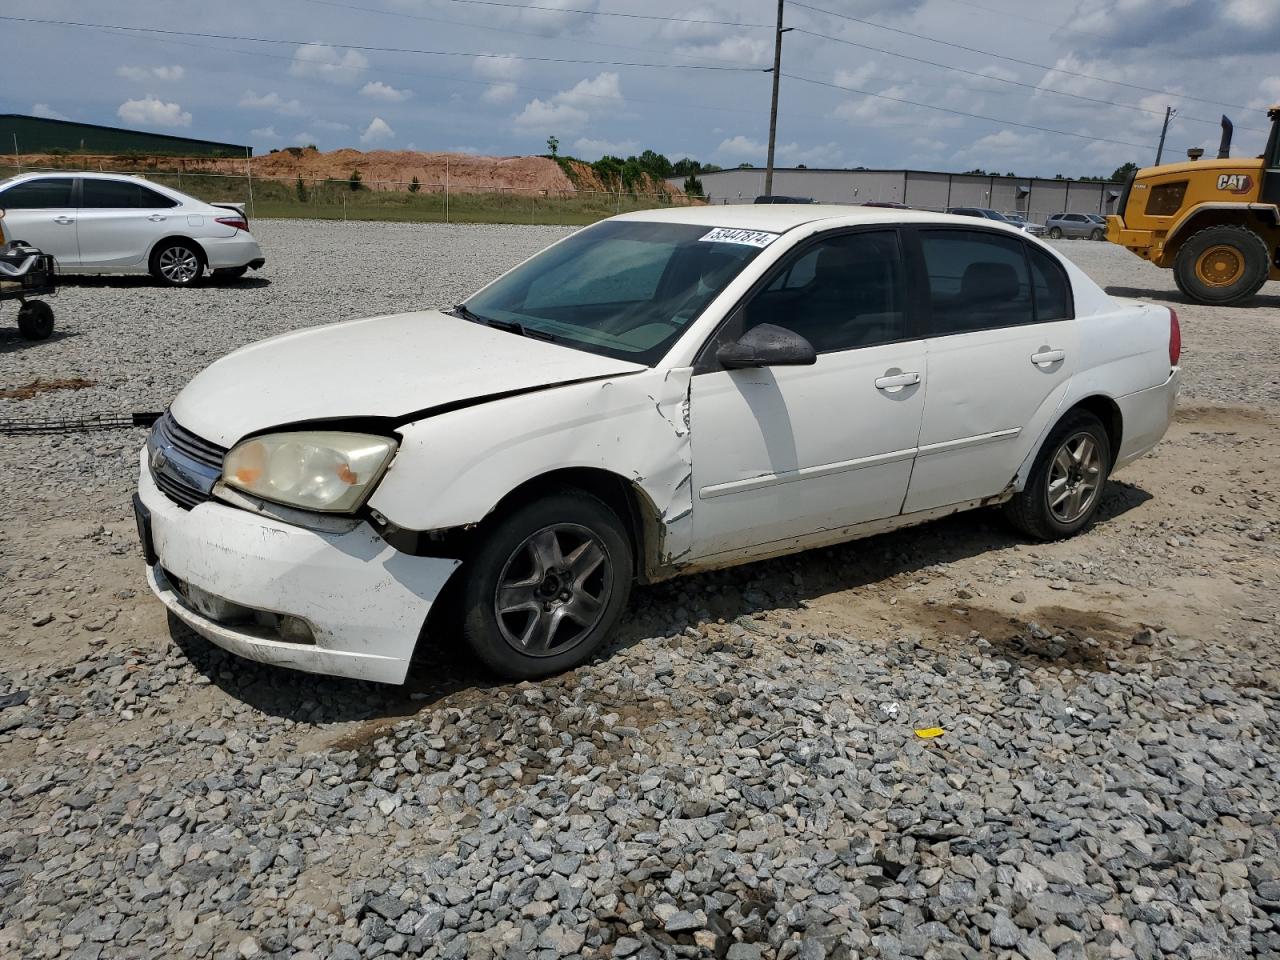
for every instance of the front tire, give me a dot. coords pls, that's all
(546, 586)
(35, 320)
(1055, 233)
(1222, 265)
(1066, 482)
(178, 263)
(1096, 234)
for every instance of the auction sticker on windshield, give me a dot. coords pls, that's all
(752, 238)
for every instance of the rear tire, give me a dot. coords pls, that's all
(1066, 482)
(1222, 265)
(546, 586)
(177, 263)
(1055, 233)
(35, 320)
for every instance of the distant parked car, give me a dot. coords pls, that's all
(888, 204)
(111, 223)
(1023, 224)
(774, 198)
(984, 213)
(1075, 226)
(661, 393)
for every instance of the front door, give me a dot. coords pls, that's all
(42, 212)
(1001, 350)
(783, 452)
(119, 221)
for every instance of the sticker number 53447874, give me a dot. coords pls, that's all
(752, 238)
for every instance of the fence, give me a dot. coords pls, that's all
(396, 200)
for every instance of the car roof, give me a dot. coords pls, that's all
(780, 217)
(91, 174)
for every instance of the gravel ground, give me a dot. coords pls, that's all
(737, 776)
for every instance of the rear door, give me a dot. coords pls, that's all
(1001, 348)
(119, 221)
(42, 212)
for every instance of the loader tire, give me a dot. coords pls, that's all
(1223, 265)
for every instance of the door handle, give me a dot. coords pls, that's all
(1044, 357)
(893, 382)
(157, 218)
(63, 218)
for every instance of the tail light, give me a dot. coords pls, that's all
(240, 223)
(1175, 338)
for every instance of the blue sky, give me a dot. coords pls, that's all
(493, 85)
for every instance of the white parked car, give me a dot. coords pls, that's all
(661, 393)
(111, 223)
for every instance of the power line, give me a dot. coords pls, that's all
(371, 48)
(496, 29)
(1000, 56)
(963, 113)
(1017, 83)
(607, 13)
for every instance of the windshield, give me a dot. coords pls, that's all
(625, 289)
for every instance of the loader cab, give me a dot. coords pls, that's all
(1271, 161)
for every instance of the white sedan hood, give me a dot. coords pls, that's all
(391, 368)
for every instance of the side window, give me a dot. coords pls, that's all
(119, 195)
(1166, 199)
(1052, 289)
(51, 193)
(840, 293)
(977, 281)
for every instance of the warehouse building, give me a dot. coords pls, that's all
(1033, 197)
(22, 134)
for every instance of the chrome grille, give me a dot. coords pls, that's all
(184, 466)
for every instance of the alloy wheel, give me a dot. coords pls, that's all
(179, 264)
(1075, 477)
(553, 590)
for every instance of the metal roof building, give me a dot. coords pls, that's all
(23, 134)
(1033, 197)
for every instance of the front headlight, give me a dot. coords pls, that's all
(315, 470)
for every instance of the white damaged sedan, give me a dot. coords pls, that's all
(661, 393)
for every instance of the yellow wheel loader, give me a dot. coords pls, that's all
(1216, 223)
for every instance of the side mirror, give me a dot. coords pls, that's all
(767, 345)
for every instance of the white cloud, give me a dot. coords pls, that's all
(140, 74)
(741, 49)
(377, 90)
(378, 129)
(588, 147)
(46, 111)
(272, 101)
(498, 66)
(588, 93)
(304, 138)
(264, 133)
(568, 110)
(499, 93)
(545, 116)
(744, 148)
(323, 62)
(153, 112)
(740, 149)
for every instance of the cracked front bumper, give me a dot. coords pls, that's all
(365, 601)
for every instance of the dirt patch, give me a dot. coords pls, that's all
(1210, 416)
(38, 386)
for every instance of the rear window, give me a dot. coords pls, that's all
(1050, 285)
(46, 194)
(977, 281)
(1166, 199)
(120, 194)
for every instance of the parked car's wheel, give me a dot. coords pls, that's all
(1066, 483)
(1055, 233)
(177, 263)
(230, 273)
(546, 586)
(35, 320)
(1222, 265)
(1097, 233)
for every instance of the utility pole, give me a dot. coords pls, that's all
(773, 108)
(1169, 114)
